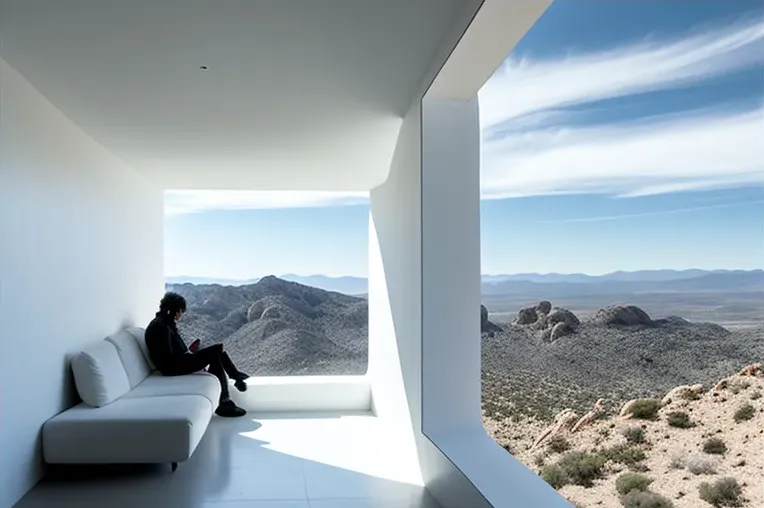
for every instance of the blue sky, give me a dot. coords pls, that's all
(618, 135)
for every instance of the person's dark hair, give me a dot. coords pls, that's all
(172, 303)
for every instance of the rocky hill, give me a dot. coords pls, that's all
(277, 327)
(548, 359)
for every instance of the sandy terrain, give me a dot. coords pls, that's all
(712, 416)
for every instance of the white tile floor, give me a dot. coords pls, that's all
(288, 461)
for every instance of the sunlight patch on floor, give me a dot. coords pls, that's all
(364, 444)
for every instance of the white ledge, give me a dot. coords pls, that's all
(305, 393)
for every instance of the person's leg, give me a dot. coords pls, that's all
(216, 369)
(190, 363)
(208, 357)
(238, 376)
(230, 368)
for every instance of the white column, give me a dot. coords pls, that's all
(451, 359)
(450, 266)
(395, 317)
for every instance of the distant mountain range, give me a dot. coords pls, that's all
(345, 285)
(532, 283)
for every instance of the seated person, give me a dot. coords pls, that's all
(172, 358)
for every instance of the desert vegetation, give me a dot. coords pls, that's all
(566, 412)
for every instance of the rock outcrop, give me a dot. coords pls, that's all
(564, 420)
(560, 315)
(534, 315)
(755, 369)
(486, 326)
(738, 381)
(597, 412)
(560, 330)
(682, 393)
(628, 407)
(622, 315)
(526, 316)
(558, 323)
(551, 322)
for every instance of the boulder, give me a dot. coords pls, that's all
(560, 315)
(626, 409)
(526, 316)
(544, 307)
(560, 330)
(684, 392)
(486, 326)
(722, 385)
(623, 315)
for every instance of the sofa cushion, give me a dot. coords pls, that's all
(130, 353)
(199, 383)
(129, 430)
(140, 336)
(99, 375)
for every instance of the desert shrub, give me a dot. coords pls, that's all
(756, 395)
(639, 467)
(646, 409)
(623, 454)
(738, 384)
(644, 499)
(582, 468)
(723, 492)
(680, 420)
(634, 435)
(699, 465)
(558, 444)
(744, 413)
(632, 481)
(714, 446)
(540, 460)
(678, 461)
(555, 476)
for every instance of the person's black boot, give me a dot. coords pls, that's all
(229, 410)
(239, 381)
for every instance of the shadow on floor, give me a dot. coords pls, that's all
(227, 466)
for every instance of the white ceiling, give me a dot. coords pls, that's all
(300, 94)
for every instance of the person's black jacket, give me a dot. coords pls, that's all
(163, 341)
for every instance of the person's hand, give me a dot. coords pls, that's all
(194, 345)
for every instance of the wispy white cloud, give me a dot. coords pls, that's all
(665, 154)
(698, 150)
(182, 202)
(536, 154)
(523, 86)
(605, 218)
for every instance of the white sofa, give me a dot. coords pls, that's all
(129, 413)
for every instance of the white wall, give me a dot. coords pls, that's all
(395, 315)
(451, 359)
(80, 256)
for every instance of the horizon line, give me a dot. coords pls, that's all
(502, 274)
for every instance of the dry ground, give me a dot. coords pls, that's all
(713, 416)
